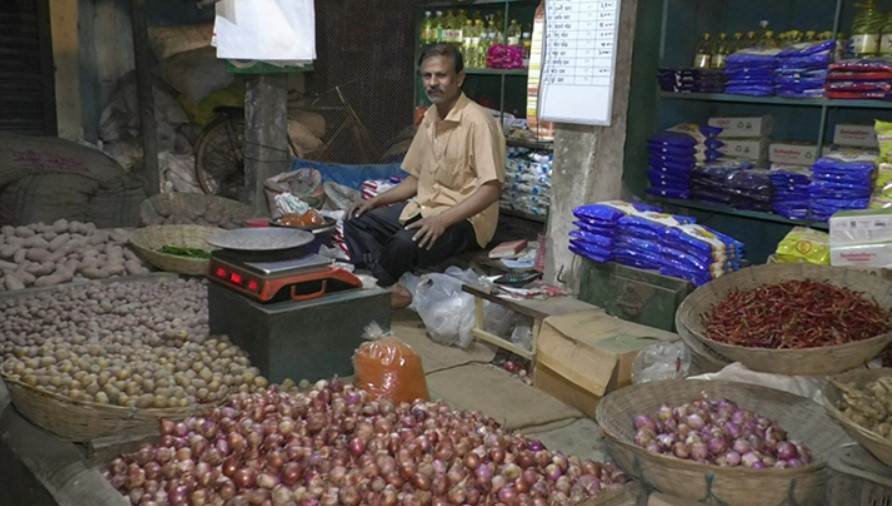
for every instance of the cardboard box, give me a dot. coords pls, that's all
(851, 228)
(744, 127)
(862, 255)
(793, 152)
(751, 149)
(580, 357)
(863, 136)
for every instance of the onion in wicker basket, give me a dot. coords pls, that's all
(802, 418)
(798, 361)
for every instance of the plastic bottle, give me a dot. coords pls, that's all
(866, 30)
(768, 41)
(886, 38)
(720, 52)
(738, 44)
(841, 52)
(527, 42)
(439, 28)
(811, 36)
(751, 39)
(428, 33)
(513, 33)
(481, 43)
(495, 35)
(544, 130)
(703, 52)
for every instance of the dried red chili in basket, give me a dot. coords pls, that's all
(796, 314)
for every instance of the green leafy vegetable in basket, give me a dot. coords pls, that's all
(186, 252)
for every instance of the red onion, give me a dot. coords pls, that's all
(645, 422)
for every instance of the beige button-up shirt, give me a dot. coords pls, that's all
(454, 157)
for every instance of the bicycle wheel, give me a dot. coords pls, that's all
(220, 159)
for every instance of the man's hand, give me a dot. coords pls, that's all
(359, 208)
(429, 230)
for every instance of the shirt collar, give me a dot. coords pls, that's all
(455, 114)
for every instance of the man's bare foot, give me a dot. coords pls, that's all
(400, 297)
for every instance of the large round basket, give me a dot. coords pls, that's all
(193, 209)
(696, 307)
(704, 359)
(82, 421)
(148, 241)
(802, 418)
(877, 445)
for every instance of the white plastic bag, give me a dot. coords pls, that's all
(661, 361)
(447, 311)
(803, 386)
(265, 30)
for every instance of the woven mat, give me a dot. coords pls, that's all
(435, 357)
(498, 394)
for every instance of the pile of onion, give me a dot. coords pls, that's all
(721, 433)
(334, 446)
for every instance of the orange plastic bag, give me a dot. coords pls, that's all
(388, 368)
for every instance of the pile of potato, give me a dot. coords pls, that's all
(215, 215)
(133, 344)
(44, 255)
(870, 406)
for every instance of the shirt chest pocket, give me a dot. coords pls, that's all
(454, 171)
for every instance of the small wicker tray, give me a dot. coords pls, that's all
(877, 445)
(83, 421)
(803, 419)
(807, 361)
(148, 241)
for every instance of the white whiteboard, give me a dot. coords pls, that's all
(579, 61)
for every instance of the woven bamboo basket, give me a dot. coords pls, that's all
(877, 445)
(703, 357)
(802, 418)
(808, 361)
(82, 421)
(148, 241)
(191, 209)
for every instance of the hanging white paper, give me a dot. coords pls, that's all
(271, 30)
(580, 61)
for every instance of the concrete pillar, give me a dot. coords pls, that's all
(266, 135)
(66, 51)
(588, 160)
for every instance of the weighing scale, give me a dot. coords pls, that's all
(251, 263)
(285, 306)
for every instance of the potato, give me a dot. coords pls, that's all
(56, 256)
(50, 280)
(37, 254)
(115, 268)
(7, 230)
(59, 241)
(12, 282)
(60, 225)
(9, 250)
(4, 265)
(23, 231)
(19, 256)
(119, 236)
(94, 273)
(25, 277)
(134, 267)
(36, 241)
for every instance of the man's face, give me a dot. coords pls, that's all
(441, 83)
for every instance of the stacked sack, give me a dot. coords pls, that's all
(673, 154)
(733, 183)
(642, 237)
(751, 72)
(841, 181)
(791, 191)
(527, 181)
(687, 80)
(802, 69)
(867, 78)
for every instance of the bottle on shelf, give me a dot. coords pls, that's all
(513, 33)
(482, 40)
(703, 52)
(469, 47)
(738, 43)
(720, 52)
(527, 42)
(751, 39)
(768, 41)
(428, 32)
(841, 51)
(866, 29)
(886, 37)
(439, 28)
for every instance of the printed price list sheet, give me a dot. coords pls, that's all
(580, 60)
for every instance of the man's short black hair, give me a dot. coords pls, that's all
(443, 49)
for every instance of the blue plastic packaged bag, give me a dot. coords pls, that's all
(611, 211)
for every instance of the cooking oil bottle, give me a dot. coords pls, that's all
(720, 52)
(867, 28)
(703, 52)
(738, 43)
(886, 37)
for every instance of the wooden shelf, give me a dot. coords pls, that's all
(496, 72)
(730, 211)
(771, 100)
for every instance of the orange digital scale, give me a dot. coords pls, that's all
(279, 275)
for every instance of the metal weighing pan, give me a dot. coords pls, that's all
(261, 239)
